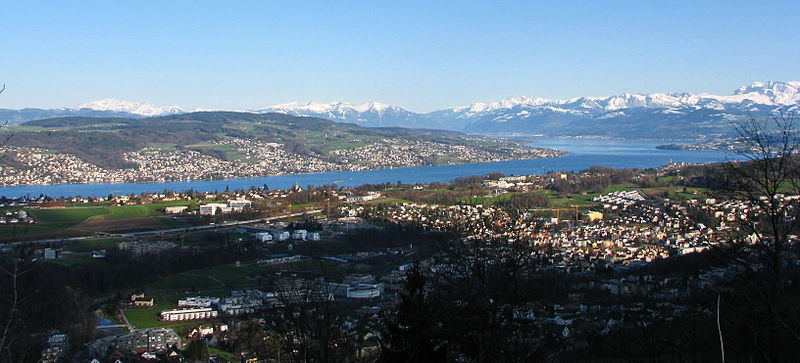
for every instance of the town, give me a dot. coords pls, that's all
(249, 158)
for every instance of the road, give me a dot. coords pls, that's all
(165, 231)
(213, 226)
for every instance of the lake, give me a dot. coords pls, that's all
(583, 153)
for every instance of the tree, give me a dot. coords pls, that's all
(760, 243)
(197, 351)
(411, 333)
(9, 317)
(308, 326)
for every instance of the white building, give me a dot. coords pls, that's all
(176, 209)
(198, 301)
(238, 205)
(188, 314)
(50, 253)
(363, 198)
(263, 236)
(299, 234)
(280, 235)
(214, 208)
(363, 292)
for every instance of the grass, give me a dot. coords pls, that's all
(139, 211)
(229, 275)
(56, 222)
(218, 351)
(332, 271)
(149, 318)
(38, 231)
(569, 200)
(618, 188)
(489, 199)
(94, 244)
(184, 281)
(71, 261)
(392, 201)
(677, 192)
(72, 215)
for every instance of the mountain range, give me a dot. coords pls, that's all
(652, 115)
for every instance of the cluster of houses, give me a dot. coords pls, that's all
(257, 158)
(139, 248)
(623, 199)
(149, 344)
(636, 230)
(16, 217)
(275, 234)
(394, 153)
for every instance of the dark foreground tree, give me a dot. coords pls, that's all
(762, 309)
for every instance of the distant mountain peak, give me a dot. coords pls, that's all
(136, 108)
(321, 107)
(784, 93)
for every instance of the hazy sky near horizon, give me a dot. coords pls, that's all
(422, 55)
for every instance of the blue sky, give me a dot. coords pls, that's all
(419, 55)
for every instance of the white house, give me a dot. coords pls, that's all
(263, 236)
(175, 209)
(280, 235)
(212, 209)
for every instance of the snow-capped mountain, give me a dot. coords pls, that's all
(626, 115)
(101, 108)
(770, 94)
(652, 115)
(373, 114)
(136, 108)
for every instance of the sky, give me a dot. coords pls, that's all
(421, 56)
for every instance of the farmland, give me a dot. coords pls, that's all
(76, 221)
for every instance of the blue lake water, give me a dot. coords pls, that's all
(583, 153)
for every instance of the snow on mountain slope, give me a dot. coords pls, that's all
(136, 108)
(366, 114)
(672, 113)
(769, 93)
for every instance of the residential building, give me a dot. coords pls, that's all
(50, 253)
(188, 314)
(150, 340)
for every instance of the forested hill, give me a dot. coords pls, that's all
(103, 140)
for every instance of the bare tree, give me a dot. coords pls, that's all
(307, 325)
(760, 244)
(4, 140)
(12, 299)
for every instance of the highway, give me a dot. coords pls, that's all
(167, 231)
(212, 226)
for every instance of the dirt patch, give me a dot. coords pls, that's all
(121, 225)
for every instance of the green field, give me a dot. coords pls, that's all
(72, 215)
(229, 275)
(70, 261)
(56, 222)
(38, 231)
(90, 245)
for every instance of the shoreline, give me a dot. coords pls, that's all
(559, 152)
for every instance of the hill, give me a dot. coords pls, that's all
(215, 145)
